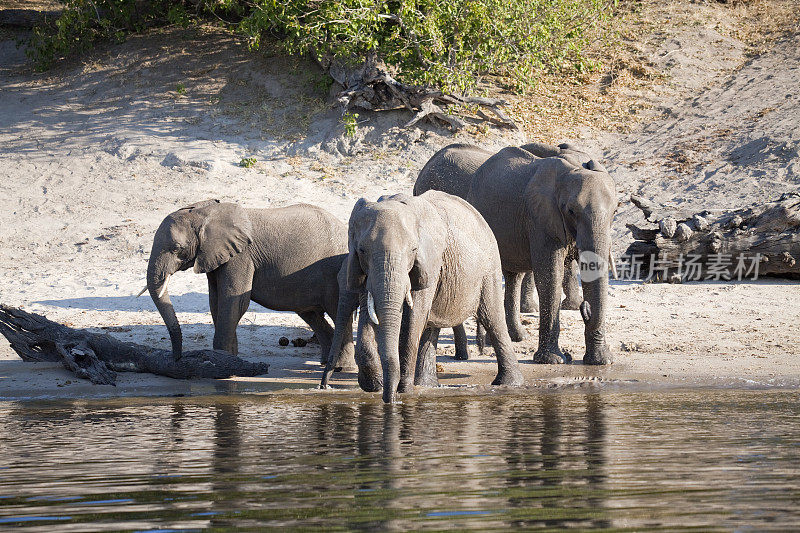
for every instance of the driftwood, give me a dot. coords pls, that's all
(371, 86)
(760, 240)
(98, 357)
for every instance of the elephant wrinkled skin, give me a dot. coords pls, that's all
(419, 263)
(540, 210)
(286, 259)
(451, 170)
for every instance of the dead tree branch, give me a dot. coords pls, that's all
(769, 232)
(371, 86)
(98, 357)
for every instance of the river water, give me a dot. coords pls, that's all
(715, 460)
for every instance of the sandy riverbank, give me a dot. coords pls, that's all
(95, 154)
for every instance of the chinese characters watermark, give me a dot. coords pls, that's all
(687, 267)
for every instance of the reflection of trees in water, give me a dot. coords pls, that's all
(543, 482)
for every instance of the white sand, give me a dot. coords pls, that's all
(94, 155)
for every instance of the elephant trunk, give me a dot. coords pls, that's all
(158, 273)
(390, 290)
(595, 251)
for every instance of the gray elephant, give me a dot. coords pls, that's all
(422, 262)
(287, 259)
(540, 210)
(451, 170)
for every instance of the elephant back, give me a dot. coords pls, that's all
(451, 169)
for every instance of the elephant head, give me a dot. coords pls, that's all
(396, 246)
(204, 235)
(577, 205)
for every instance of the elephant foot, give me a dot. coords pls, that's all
(427, 379)
(529, 307)
(518, 333)
(598, 356)
(390, 397)
(570, 304)
(550, 357)
(462, 355)
(405, 386)
(369, 382)
(509, 378)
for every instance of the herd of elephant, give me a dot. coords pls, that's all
(412, 265)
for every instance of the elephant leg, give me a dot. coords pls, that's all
(512, 305)
(434, 339)
(233, 299)
(480, 338)
(425, 375)
(548, 273)
(343, 303)
(415, 370)
(370, 374)
(460, 342)
(212, 296)
(321, 328)
(529, 302)
(571, 286)
(491, 315)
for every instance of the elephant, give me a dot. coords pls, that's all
(418, 263)
(540, 210)
(451, 170)
(285, 258)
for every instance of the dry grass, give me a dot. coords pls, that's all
(613, 98)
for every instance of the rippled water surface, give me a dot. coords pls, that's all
(711, 459)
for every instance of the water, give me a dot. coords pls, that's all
(714, 460)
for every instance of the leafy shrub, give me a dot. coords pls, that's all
(448, 44)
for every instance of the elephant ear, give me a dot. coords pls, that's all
(545, 197)
(595, 166)
(355, 274)
(225, 231)
(431, 228)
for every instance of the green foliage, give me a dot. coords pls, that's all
(85, 22)
(449, 44)
(446, 44)
(247, 162)
(350, 121)
(180, 88)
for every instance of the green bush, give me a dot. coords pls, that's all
(447, 44)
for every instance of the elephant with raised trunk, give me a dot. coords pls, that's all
(541, 210)
(286, 258)
(421, 262)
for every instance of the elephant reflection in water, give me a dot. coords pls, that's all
(498, 453)
(549, 476)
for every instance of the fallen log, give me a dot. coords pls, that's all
(98, 357)
(372, 87)
(760, 240)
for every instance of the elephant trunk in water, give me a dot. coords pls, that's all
(389, 290)
(158, 272)
(595, 247)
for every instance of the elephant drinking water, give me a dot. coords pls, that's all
(421, 262)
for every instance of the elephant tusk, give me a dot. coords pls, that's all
(409, 300)
(371, 309)
(586, 311)
(613, 265)
(164, 288)
(142, 291)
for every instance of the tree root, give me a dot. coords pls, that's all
(370, 86)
